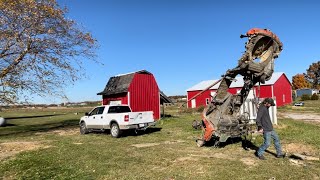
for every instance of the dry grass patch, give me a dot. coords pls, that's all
(142, 145)
(300, 149)
(9, 149)
(281, 126)
(145, 145)
(249, 161)
(61, 132)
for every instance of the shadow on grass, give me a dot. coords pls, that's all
(28, 117)
(132, 132)
(166, 116)
(246, 144)
(141, 132)
(23, 130)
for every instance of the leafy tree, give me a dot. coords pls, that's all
(299, 81)
(41, 51)
(313, 75)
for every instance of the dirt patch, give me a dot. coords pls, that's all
(61, 132)
(249, 161)
(300, 149)
(9, 149)
(312, 117)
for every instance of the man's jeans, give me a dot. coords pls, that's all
(267, 142)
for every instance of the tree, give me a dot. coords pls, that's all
(299, 81)
(41, 51)
(313, 75)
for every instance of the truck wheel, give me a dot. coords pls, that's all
(83, 128)
(115, 130)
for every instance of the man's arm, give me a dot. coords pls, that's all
(259, 118)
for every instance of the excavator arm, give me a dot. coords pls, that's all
(221, 117)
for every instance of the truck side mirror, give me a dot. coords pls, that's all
(86, 114)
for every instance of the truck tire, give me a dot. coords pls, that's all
(83, 128)
(115, 131)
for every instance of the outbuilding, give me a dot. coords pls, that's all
(278, 88)
(138, 89)
(307, 91)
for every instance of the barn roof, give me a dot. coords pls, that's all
(120, 83)
(164, 98)
(204, 84)
(238, 83)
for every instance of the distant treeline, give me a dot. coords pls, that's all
(178, 98)
(30, 105)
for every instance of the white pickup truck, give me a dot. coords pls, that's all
(116, 118)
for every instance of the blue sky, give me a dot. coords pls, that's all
(183, 42)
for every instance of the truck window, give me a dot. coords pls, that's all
(119, 109)
(93, 112)
(97, 110)
(100, 110)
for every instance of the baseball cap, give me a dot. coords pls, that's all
(270, 101)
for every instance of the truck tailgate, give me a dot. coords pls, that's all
(141, 117)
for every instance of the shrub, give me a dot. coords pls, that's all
(200, 109)
(314, 97)
(187, 110)
(305, 97)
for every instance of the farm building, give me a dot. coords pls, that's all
(138, 89)
(308, 91)
(278, 87)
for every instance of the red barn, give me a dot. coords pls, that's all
(278, 87)
(139, 90)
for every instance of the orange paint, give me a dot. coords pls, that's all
(208, 130)
(265, 32)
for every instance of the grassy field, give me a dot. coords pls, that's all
(46, 144)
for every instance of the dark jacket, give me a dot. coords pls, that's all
(263, 119)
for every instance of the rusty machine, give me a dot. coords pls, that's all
(221, 119)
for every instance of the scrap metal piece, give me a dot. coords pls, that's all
(221, 116)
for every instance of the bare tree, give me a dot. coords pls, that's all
(41, 51)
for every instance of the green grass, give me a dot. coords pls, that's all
(309, 106)
(169, 151)
(298, 131)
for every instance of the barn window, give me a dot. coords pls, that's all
(283, 98)
(207, 101)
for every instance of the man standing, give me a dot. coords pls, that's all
(265, 126)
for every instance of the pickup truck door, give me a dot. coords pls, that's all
(95, 118)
